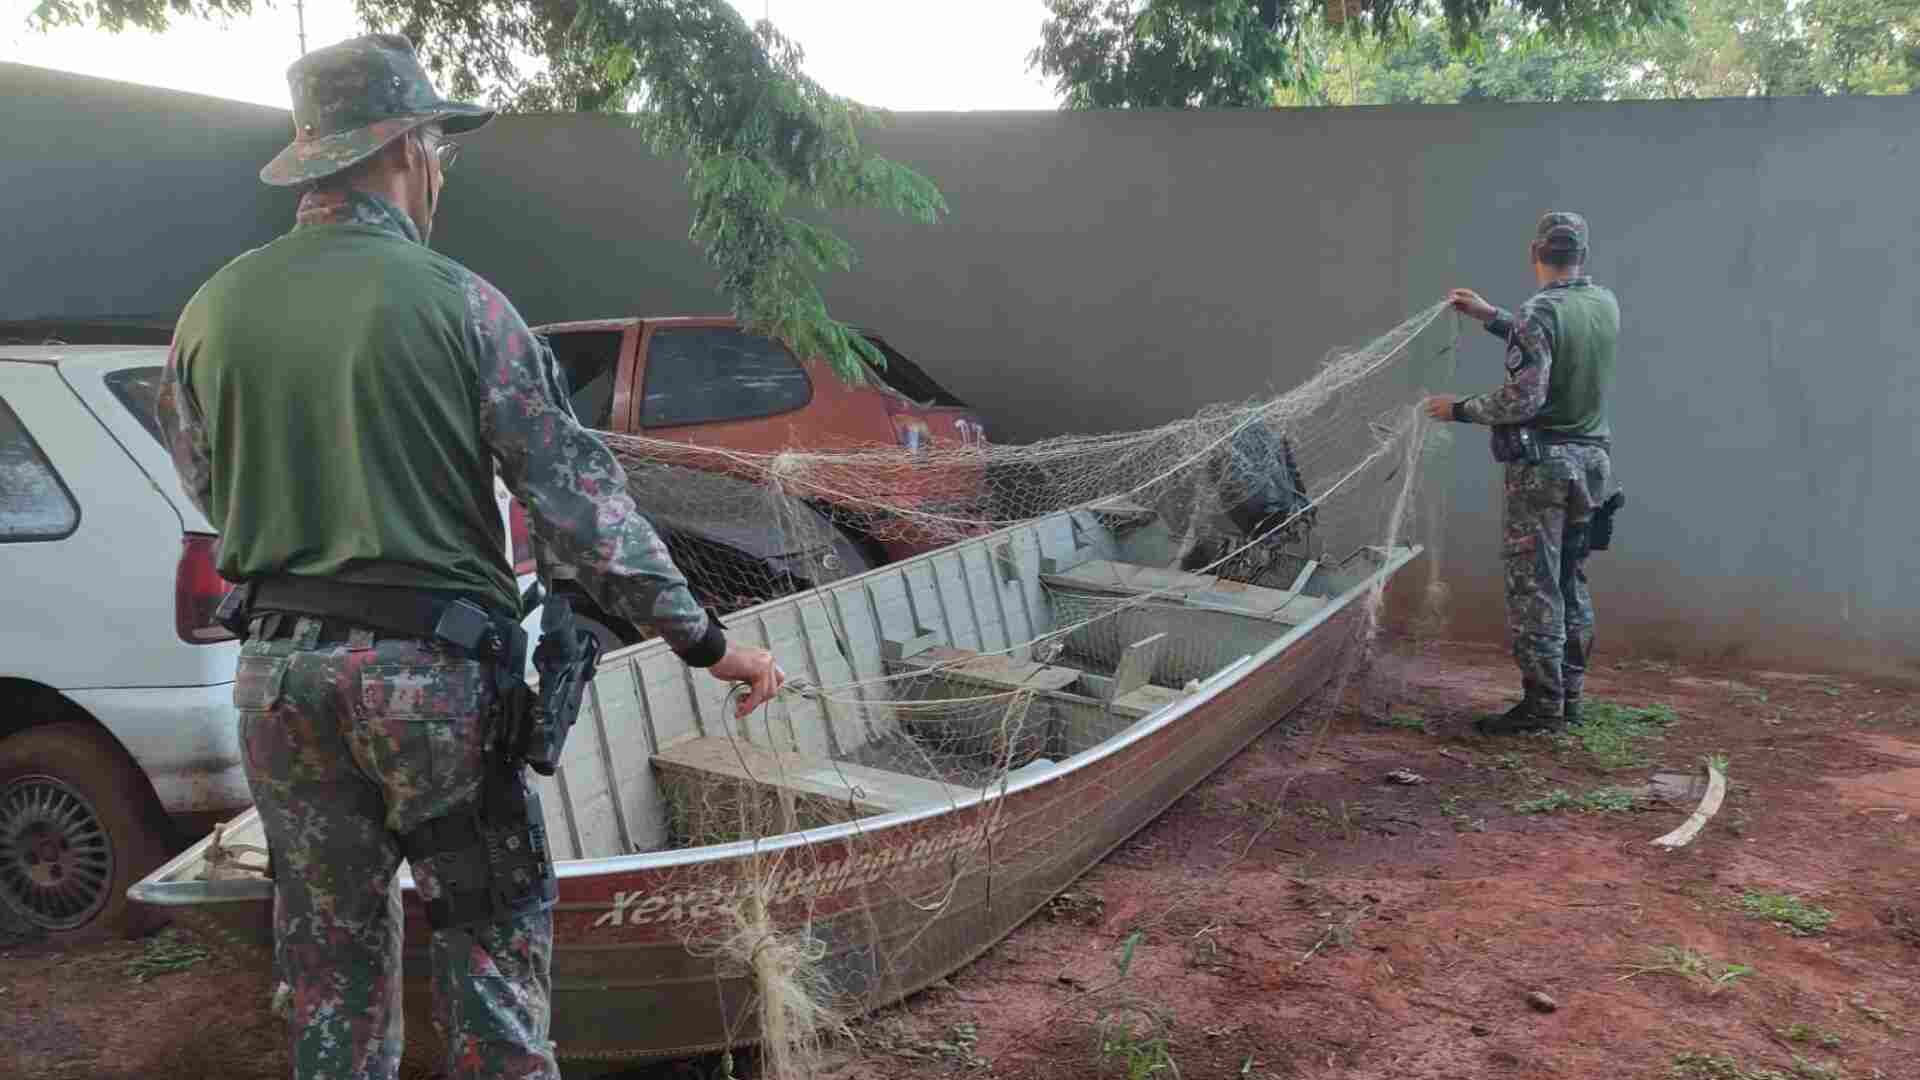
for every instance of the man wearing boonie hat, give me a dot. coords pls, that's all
(1551, 432)
(338, 403)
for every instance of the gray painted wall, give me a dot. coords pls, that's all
(1142, 265)
(121, 199)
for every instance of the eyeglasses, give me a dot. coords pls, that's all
(444, 151)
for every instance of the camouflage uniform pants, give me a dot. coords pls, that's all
(347, 748)
(1549, 610)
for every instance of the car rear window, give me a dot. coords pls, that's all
(139, 389)
(34, 501)
(699, 375)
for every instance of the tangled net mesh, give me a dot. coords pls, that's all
(1237, 524)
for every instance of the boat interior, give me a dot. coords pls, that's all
(915, 685)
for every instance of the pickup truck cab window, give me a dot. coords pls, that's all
(701, 375)
(591, 361)
(34, 503)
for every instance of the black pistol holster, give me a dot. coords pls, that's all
(565, 660)
(1602, 527)
(501, 846)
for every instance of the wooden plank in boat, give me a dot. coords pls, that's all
(1128, 579)
(1145, 701)
(1276, 603)
(956, 600)
(629, 740)
(870, 791)
(667, 691)
(1103, 575)
(994, 672)
(1137, 662)
(795, 722)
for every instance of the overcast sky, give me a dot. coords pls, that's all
(894, 54)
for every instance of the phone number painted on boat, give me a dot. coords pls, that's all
(809, 880)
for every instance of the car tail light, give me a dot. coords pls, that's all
(198, 589)
(911, 431)
(522, 539)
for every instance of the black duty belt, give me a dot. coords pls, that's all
(396, 610)
(1554, 438)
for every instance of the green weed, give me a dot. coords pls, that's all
(169, 951)
(1612, 734)
(1603, 800)
(1689, 964)
(1408, 721)
(1691, 1066)
(1799, 1032)
(1797, 918)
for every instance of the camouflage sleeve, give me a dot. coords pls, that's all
(1529, 363)
(185, 432)
(574, 488)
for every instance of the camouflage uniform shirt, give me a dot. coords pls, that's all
(360, 391)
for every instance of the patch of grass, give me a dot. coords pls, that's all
(1796, 917)
(1604, 800)
(1557, 799)
(1408, 721)
(1140, 1054)
(1612, 734)
(1689, 964)
(1692, 1066)
(1799, 1032)
(1134, 1034)
(165, 953)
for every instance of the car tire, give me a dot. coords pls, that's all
(78, 826)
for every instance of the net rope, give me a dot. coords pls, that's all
(1231, 527)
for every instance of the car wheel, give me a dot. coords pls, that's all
(78, 827)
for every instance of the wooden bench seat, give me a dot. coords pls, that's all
(993, 672)
(1112, 578)
(867, 791)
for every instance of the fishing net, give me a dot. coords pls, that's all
(1082, 585)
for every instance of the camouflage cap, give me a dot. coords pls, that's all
(1561, 230)
(353, 98)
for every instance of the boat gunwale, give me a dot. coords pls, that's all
(159, 892)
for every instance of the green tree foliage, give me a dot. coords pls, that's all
(1238, 53)
(1723, 48)
(764, 144)
(1510, 61)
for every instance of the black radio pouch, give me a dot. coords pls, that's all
(1516, 442)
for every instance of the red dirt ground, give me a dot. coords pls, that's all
(1298, 916)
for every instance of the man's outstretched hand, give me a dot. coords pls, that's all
(1440, 406)
(756, 668)
(1468, 303)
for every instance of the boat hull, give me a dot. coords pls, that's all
(893, 903)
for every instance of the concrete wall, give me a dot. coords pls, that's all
(1142, 265)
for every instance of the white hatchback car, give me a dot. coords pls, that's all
(116, 711)
(117, 731)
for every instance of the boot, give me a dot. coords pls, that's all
(1532, 714)
(1570, 710)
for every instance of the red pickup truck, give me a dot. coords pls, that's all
(705, 383)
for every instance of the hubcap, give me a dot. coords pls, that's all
(56, 860)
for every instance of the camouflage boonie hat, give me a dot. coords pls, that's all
(1561, 230)
(351, 99)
